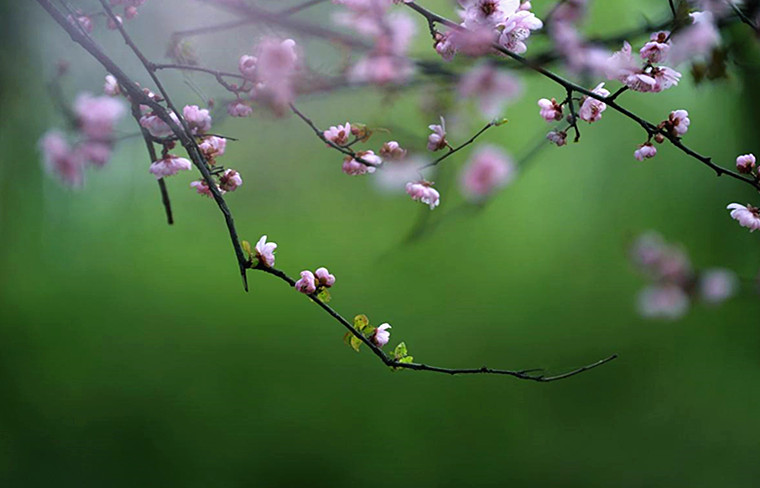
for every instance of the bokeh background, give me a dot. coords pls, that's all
(130, 355)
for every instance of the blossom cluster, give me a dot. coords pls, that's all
(675, 284)
(507, 23)
(95, 118)
(270, 77)
(391, 33)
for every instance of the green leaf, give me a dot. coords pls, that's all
(400, 351)
(361, 322)
(324, 295)
(352, 341)
(406, 359)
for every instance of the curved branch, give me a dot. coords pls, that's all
(524, 374)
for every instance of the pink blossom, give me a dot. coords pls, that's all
(59, 158)
(678, 122)
(353, 167)
(717, 285)
(550, 110)
(657, 48)
(324, 277)
(517, 29)
(230, 180)
(424, 192)
(111, 86)
(381, 336)
(444, 46)
(591, 108)
(558, 137)
(624, 67)
(490, 86)
(748, 216)
(392, 151)
(437, 140)
(97, 116)
(199, 120)
(239, 109)
(645, 151)
(663, 301)
(338, 134)
(247, 66)
(488, 169)
(168, 166)
(265, 252)
(203, 189)
(306, 284)
(213, 147)
(745, 163)
(648, 250)
(156, 126)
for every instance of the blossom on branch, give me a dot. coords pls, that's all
(424, 192)
(265, 252)
(169, 165)
(748, 216)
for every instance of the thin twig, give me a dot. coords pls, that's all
(524, 374)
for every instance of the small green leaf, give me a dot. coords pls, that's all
(361, 322)
(406, 359)
(400, 351)
(324, 295)
(499, 122)
(247, 248)
(352, 341)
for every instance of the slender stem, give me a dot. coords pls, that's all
(525, 374)
(453, 150)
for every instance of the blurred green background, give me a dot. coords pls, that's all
(130, 356)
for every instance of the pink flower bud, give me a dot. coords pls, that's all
(550, 109)
(111, 86)
(678, 122)
(645, 151)
(306, 284)
(325, 278)
(230, 180)
(247, 66)
(392, 151)
(239, 109)
(557, 137)
(745, 163)
(437, 140)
